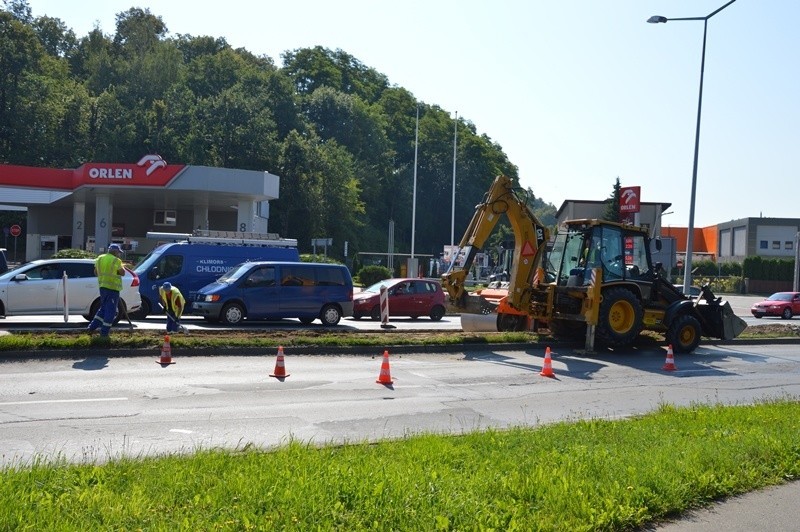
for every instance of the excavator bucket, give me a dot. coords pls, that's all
(732, 325)
(719, 319)
(479, 322)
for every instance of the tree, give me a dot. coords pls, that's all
(611, 212)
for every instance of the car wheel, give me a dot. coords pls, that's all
(232, 314)
(376, 313)
(121, 311)
(306, 320)
(330, 315)
(620, 320)
(356, 316)
(93, 310)
(786, 314)
(436, 313)
(684, 334)
(758, 317)
(143, 311)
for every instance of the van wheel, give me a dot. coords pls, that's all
(330, 315)
(232, 314)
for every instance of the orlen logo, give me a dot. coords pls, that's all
(152, 162)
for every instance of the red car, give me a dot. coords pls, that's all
(783, 304)
(407, 297)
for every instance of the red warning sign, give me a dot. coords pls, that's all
(527, 250)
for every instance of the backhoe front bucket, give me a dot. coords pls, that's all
(479, 322)
(719, 319)
(732, 325)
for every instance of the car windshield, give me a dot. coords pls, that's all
(376, 288)
(781, 296)
(235, 273)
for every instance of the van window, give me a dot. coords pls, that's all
(330, 277)
(297, 276)
(167, 266)
(261, 277)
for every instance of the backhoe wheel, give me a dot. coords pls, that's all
(620, 320)
(684, 334)
(567, 329)
(511, 322)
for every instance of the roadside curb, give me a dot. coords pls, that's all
(339, 350)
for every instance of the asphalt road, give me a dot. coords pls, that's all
(740, 305)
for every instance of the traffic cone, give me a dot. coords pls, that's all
(166, 353)
(280, 369)
(385, 376)
(547, 369)
(669, 365)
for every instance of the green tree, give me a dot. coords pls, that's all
(611, 212)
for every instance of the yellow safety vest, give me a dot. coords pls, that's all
(107, 277)
(175, 298)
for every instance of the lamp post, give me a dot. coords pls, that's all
(655, 19)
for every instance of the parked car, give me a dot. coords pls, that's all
(37, 288)
(3, 261)
(265, 290)
(694, 291)
(406, 297)
(783, 304)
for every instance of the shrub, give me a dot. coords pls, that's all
(71, 253)
(372, 274)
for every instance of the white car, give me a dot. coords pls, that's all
(37, 288)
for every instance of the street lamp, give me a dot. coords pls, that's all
(656, 19)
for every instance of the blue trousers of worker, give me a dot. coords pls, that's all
(172, 324)
(107, 312)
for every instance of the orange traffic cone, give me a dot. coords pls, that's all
(280, 369)
(166, 353)
(669, 365)
(385, 376)
(547, 369)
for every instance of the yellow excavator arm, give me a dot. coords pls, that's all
(530, 237)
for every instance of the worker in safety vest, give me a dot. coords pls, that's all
(173, 302)
(109, 270)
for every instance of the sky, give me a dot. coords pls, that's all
(577, 93)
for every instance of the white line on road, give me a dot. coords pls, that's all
(53, 401)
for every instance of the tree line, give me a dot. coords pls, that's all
(337, 132)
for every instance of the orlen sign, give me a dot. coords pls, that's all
(151, 170)
(629, 199)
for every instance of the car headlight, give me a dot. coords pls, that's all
(212, 298)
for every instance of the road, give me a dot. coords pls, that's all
(740, 304)
(97, 408)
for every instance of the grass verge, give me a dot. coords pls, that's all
(586, 475)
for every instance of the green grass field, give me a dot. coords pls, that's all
(586, 475)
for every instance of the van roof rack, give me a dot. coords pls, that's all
(227, 238)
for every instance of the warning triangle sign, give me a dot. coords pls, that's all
(527, 249)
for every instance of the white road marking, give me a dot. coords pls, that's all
(54, 401)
